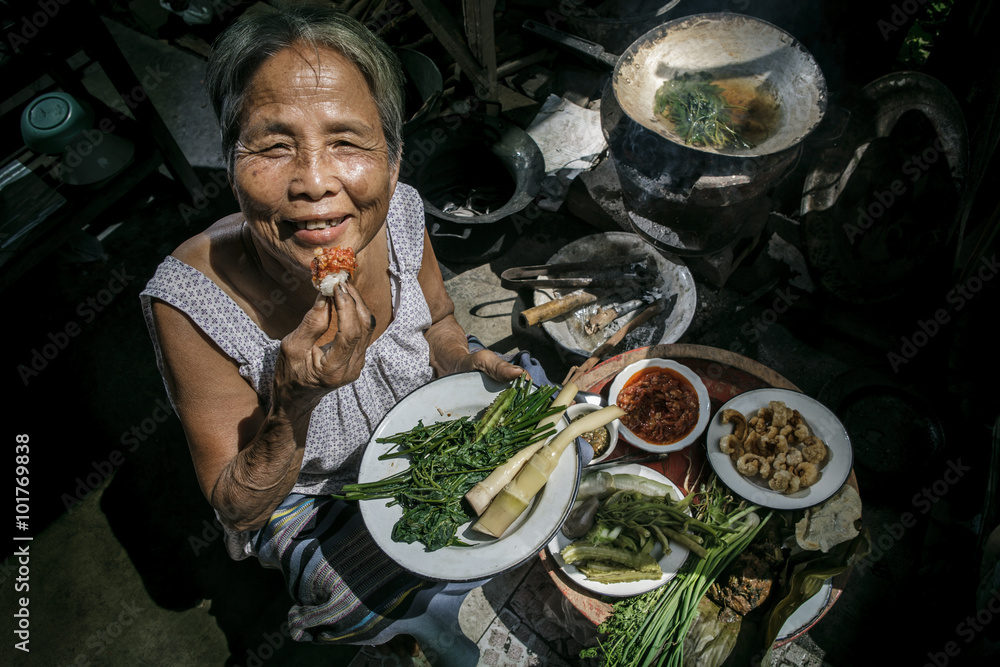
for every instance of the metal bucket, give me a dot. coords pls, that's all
(473, 173)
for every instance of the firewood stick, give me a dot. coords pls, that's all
(556, 307)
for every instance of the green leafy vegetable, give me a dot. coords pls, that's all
(699, 112)
(448, 458)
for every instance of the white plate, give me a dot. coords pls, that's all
(674, 279)
(833, 473)
(670, 563)
(806, 614)
(451, 397)
(704, 403)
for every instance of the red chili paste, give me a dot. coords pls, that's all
(661, 405)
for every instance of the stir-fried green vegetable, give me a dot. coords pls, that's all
(448, 458)
(699, 112)
(650, 628)
(639, 514)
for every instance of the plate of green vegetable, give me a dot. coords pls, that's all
(611, 559)
(431, 449)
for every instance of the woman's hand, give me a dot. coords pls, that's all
(490, 363)
(247, 458)
(449, 347)
(308, 368)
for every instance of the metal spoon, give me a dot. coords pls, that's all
(590, 397)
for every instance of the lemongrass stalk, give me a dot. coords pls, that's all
(513, 499)
(481, 495)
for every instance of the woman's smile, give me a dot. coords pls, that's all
(311, 168)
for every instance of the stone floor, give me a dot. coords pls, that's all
(126, 565)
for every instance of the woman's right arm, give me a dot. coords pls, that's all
(247, 456)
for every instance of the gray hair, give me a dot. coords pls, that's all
(253, 38)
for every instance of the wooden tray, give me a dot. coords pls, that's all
(725, 375)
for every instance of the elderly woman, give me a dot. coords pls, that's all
(278, 387)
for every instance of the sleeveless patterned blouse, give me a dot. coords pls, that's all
(395, 364)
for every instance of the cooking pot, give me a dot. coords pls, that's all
(738, 52)
(616, 25)
(424, 87)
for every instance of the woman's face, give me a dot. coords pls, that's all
(311, 166)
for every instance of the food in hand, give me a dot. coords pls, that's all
(332, 266)
(661, 405)
(776, 445)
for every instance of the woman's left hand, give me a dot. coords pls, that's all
(490, 363)
(449, 347)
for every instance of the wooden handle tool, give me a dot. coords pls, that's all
(577, 371)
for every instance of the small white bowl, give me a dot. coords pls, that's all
(574, 411)
(704, 403)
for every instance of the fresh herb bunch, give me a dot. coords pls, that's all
(699, 112)
(450, 457)
(650, 628)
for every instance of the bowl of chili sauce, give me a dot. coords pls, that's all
(666, 404)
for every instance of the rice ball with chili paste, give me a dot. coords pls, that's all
(332, 266)
(661, 406)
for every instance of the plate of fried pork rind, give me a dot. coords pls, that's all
(779, 448)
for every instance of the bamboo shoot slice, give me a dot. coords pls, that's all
(482, 494)
(514, 498)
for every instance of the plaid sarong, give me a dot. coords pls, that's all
(347, 591)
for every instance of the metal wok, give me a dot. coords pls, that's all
(727, 47)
